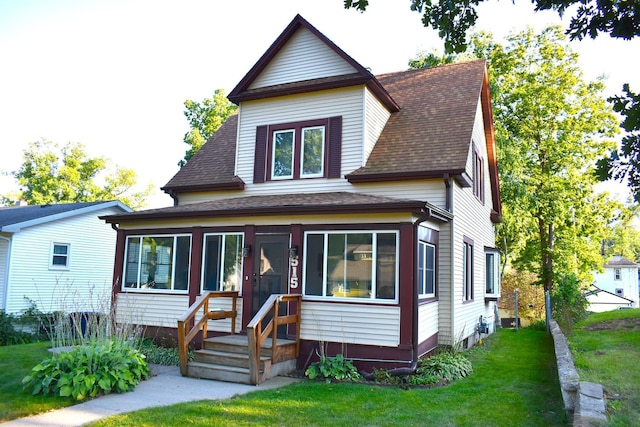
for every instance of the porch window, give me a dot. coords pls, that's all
(157, 263)
(426, 270)
(492, 273)
(351, 265)
(60, 256)
(222, 262)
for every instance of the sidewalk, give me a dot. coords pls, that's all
(165, 388)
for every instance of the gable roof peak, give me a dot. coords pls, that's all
(361, 75)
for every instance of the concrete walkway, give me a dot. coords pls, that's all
(165, 388)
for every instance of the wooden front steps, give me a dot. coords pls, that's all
(226, 358)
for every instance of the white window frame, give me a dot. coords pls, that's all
(220, 283)
(467, 271)
(620, 292)
(138, 287)
(374, 262)
(495, 255)
(617, 274)
(67, 256)
(321, 173)
(275, 177)
(422, 273)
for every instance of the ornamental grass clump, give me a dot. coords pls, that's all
(89, 370)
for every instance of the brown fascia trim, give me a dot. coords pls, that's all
(236, 185)
(414, 206)
(355, 178)
(463, 179)
(487, 113)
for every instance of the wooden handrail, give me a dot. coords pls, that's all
(257, 333)
(185, 338)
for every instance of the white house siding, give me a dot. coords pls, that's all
(376, 116)
(427, 321)
(151, 309)
(628, 282)
(5, 244)
(339, 102)
(304, 57)
(445, 272)
(85, 286)
(471, 219)
(365, 324)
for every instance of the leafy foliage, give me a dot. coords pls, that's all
(445, 366)
(530, 294)
(9, 335)
(53, 174)
(205, 119)
(88, 371)
(330, 368)
(569, 304)
(624, 164)
(453, 18)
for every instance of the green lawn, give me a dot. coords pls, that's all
(606, 350)
(514, 384)
(15, 363)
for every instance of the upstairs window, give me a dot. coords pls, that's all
(617, 273)
(478, 175)
(60, 256)
(300, 150)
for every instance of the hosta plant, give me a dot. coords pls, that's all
(89, 370)
(330, 368)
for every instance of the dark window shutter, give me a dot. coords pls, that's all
(259, 167)
(335, 147)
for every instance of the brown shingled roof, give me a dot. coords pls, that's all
(431, 134)
(213, 166)
(306, 203)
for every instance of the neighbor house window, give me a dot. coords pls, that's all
(355, 265)
(617, 273)
(492, 273)
(426, 270)
(222, 262)
(467, 270)
(157, 262)
(299, 150)
(478, 175)
(620, 292)
(60, 255)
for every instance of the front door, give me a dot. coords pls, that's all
(270, 268)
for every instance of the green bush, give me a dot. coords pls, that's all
(568, 302)
(330, 368)
(89, 370)
(168, 356)
(442, 367)
(9, 335)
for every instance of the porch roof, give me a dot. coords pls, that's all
(302, 204)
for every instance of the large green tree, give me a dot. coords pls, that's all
(551, 127)
(453, 18)
(54, 174)
(205, 118)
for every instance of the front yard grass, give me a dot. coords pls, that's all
(606, 350)
(16, 362)
(514, 383)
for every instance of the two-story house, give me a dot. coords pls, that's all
(616, 286)
(373, 197)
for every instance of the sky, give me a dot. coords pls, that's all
(114, 74)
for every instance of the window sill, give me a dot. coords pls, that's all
(427, 300)
(491, 298)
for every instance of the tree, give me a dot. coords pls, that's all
(50, 174)
(205, 119)
(624, 239)
(624, 164)
(453, 18)
(550, 126)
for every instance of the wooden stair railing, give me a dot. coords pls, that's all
(258, 332)
(187, 319)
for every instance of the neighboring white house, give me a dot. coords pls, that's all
(58, 256)
(620, 278)
(601, 300)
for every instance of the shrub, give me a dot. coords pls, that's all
(444, 367)
(9, 335)
(88, 371)
(168, 356)
(330, 368)
(568, 301)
